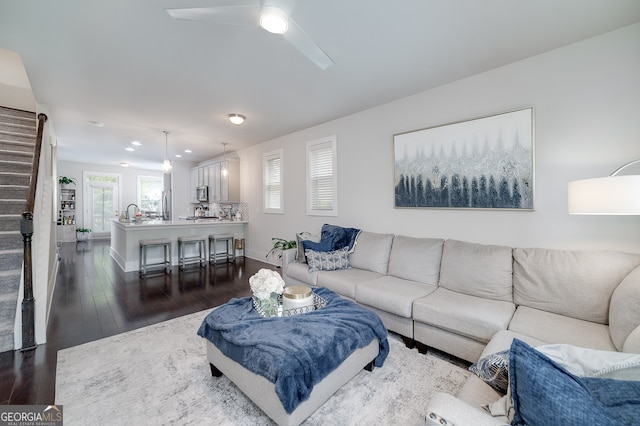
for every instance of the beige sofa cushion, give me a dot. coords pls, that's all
(575, 283)
(371, 252)
(632, 344)
(477, 270)
(554, 328)
(624, 310)
(391, 294)
(345, 281)
(300, 271)
(469, 316)
(416, 259)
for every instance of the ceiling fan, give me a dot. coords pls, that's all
(272, 15)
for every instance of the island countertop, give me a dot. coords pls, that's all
(152, 223)
(125, 236)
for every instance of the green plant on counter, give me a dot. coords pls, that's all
(279, 245)
(83, 230)
(63, 180)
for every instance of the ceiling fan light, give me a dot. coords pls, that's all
(237, 119)
(274, 20)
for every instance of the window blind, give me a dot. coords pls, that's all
(273, 182)
(321, 177)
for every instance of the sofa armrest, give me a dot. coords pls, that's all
(288, 256)
(447, 410)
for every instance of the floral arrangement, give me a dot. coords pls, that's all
(266, 282)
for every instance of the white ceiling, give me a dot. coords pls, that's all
(131, 66)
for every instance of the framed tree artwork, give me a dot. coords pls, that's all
(484, 163)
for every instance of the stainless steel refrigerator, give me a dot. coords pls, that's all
(166, 197)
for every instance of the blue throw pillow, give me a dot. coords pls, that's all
(323, 245)
(544, 393)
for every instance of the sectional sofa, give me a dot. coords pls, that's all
(471, 300)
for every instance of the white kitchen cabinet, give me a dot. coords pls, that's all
(214, 182)
(222, 178)
(230, 180)
(193, 184)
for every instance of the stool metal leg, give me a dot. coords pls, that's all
(167, 258)
(181, 255)
(231, 251)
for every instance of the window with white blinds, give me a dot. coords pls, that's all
(322, 181)
(272, 182)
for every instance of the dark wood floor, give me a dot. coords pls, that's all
(95, 299)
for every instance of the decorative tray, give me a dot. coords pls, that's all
(273, 307)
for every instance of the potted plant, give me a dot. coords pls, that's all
(279, 245)
(82, 234)
(66, 181)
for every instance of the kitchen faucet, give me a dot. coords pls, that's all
(127, 211)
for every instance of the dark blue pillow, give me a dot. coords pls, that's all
(544, 393)
(323, 245)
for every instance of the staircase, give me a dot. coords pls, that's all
(17, 145)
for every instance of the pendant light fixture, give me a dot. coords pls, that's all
(225, 170)
(166, 164)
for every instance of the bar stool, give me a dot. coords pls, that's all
(165, 243)
(228, 253)
(200, 258)
(239, 246)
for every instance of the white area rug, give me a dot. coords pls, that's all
(160, 375)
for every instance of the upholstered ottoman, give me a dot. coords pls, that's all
(290, 366)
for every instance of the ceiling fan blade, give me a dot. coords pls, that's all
(237, 14)
(301, 41)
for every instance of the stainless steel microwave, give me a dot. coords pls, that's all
(202, 193)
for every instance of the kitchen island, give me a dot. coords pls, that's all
(125, 236)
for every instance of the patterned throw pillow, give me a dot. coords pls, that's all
(328, 260)
(494, 370)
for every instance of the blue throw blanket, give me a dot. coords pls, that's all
(295, 353)
(340, 237)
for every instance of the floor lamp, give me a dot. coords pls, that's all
(611, 195)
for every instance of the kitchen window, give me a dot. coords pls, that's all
(150, 195)
(272, 182)
(322, 177)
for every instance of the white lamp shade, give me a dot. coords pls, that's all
(612, 195)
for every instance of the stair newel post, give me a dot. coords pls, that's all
(28, 302)
(26, 229)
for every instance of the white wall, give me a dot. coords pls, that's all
(586, 100)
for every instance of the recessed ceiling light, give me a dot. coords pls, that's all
(129, 149)
(124, 164)
(188, 151)
(178, 155)
(97, 123)
(237, 119)
(136, 143)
